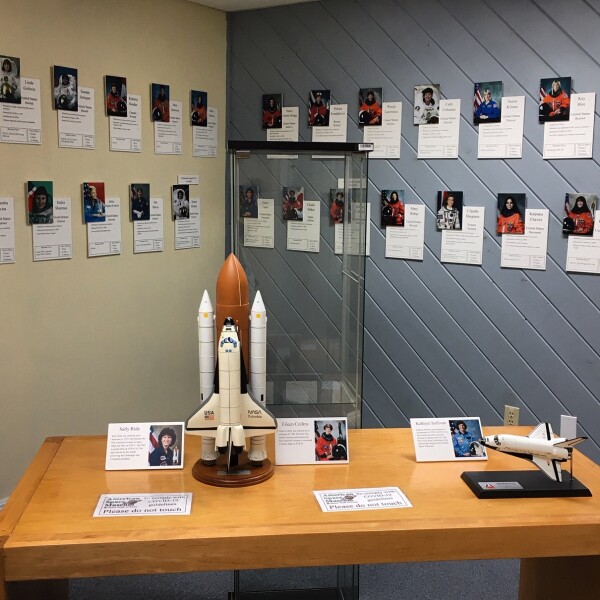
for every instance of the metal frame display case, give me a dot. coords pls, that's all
(310, 271)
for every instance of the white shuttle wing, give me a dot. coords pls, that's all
(256, 419)
(206, 418)
(550, 467)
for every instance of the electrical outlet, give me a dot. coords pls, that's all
(511, 415)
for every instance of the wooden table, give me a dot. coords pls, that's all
(48, 532)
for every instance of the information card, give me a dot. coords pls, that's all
(143, 505)
(22, 123)
(205, 138)
(187, 231)
(303, 441)
(54, 241)
(583, 252)
(168, 137)
(407, 242)
(337, 129)
(78, 129)
(440, 140)
(7, 231)
(148, 236)
(386, 137)
(505, 139)
(527, 251)
(573, 138)
(289, 127)
(144, 446)
(104, 239)
(126, 132)
(305, 235)
(361, 499)
(465, 246)
(260, 232)
(440, 439)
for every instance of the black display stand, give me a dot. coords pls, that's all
(534, 484)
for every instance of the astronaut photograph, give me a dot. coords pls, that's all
(139, 194)
(293, 204)
(10, 79)
(249, 201)
(392, 208)
(199, 101)
(40, 202)
(579, 214)
(370, 103)
(94, 202)
(331, 440)
(555, 99)
(427, 104)
(466, 434)
(318, 108)
(336, 205)
(511, 213)
(272, 105)
(116, 96)
(487, 102)
(180, 195)
(160, 103)
(449, 210)
(65, 88)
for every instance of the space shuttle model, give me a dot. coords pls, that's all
(232, 408)
(540, 447)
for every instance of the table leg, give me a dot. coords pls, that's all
(51, 589)
(560, 578)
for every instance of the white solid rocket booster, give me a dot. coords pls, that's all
(206, 357)
(258, 369)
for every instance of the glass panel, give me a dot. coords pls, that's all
(314, 299)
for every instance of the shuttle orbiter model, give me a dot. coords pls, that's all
(539, 447)
(232, 409)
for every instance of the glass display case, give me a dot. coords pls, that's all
(299, 225)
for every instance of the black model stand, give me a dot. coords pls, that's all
(522, 484)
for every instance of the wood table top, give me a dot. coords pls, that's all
(50, 531)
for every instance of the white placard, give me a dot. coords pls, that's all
(54, 241)
(78, 129)
(104, 239)
(22, 123)
(440, 140)
(573, 138)
(295, 442)
(187, 231)
(445, 439)
(132, 446)
(168, 137)
(305, 235)
(386, 137)
(148, 236)
(407, 242)
(583, 252)
(188, 179)
(361, 499)
(260, 232)
(337, 129)
(7, 231)
(205, 138)
(505, 139)
(126, 132)
(143, 505)
(465, 246)
(289, 127)
(527, 251)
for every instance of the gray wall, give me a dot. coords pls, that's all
(450, 339)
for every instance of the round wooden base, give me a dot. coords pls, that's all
(243, 474)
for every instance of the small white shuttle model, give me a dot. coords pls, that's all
(539, 447)
(230, 409)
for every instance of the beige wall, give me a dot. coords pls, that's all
(85, 342)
